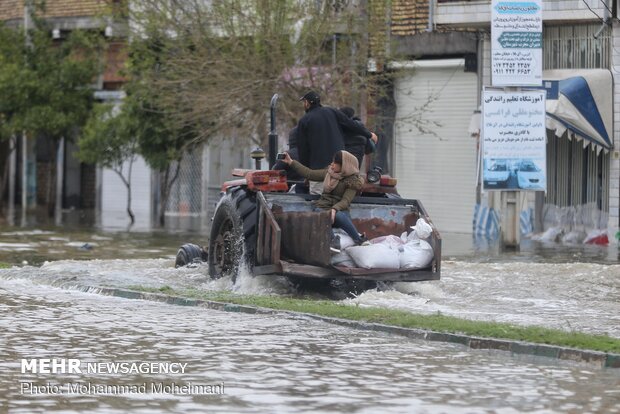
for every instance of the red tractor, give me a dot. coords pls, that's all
(259, 224)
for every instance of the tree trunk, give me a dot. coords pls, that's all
(132, 217)
(127, 182)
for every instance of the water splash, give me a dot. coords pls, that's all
(389, 299)
(250, 284)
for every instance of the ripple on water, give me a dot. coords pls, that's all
(271, 363)
(570, 296)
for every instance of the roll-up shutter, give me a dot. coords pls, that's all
(439, 170)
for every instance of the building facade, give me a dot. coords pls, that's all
(34, 162)
(442, 52)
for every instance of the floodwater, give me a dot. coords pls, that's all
(281, 364)
(263, 363)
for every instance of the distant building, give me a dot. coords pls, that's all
(79, 189)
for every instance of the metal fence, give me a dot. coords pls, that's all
(196, 191)
(574, 47)
(186, 195)
(577, 175)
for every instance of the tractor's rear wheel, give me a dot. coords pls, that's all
(233, 234)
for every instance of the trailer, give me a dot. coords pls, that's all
(258, 224)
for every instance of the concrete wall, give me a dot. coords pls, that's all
(614, 191)
(114, 197)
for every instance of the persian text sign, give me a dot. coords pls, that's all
(514, 140)
(516, 51)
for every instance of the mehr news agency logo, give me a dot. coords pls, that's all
(56, 366)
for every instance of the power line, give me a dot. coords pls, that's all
(593, 12)
(606, 6)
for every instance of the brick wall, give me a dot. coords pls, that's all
(409, 16)
(74, 8)
(11, 9)
(115, 62)
(14, 9)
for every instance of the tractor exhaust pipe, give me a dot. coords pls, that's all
(273, 136)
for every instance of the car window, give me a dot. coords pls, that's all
(498, 167)
(527, 167)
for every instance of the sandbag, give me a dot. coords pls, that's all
(552, 234)
(345, 240)
(342, 259)
(374, 256)
(597, 237)
(391, 241)
(422, 229)
(574, 237)
(417, 254)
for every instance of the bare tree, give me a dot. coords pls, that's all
(213, 65)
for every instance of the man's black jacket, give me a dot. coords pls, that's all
(320, 135)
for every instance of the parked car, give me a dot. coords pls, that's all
(497, 175)
(529, 176)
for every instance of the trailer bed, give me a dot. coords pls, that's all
(294, 240)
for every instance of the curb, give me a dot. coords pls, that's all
(592, 358)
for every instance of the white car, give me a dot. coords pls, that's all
(529, 176)
(497, 175)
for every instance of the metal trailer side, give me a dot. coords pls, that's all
(294, 240)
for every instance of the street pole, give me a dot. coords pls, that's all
(24, 177)
(60, 162)
(510, 227)
(12, 178)
(27, 25)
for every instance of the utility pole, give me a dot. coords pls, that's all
(60, 162)
(12, 177)
(510, 221)
(27, 26)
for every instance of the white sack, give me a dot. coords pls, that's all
(574, 237)
(345, 239)
(415, 255)
(422, 229)
(391, 241)
(550, 235)
(374, 256)
(342, 259)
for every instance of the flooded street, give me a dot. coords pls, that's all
(282, 364)
(267, 363)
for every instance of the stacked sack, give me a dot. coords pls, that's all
(407, 252)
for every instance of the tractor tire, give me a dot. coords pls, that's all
(190, 254)
(233, 234)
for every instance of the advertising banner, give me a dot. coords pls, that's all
(516, 49)
(514, 140)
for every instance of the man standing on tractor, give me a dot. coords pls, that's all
(320, 135)
(356, 144)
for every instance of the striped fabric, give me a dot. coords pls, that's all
(486, 222)
(527, 222)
